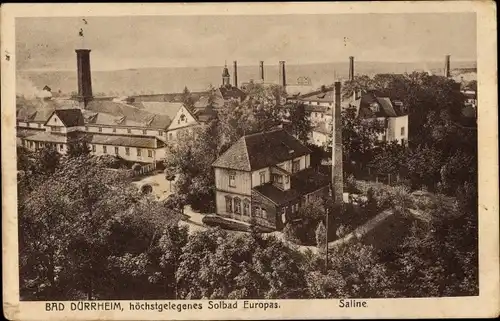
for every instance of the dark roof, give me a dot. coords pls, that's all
(231, 92)
(129, 141)
(69, 117)
(276, 195)
(325, 95)
(302, 183)
(261, 150)
(373, 97)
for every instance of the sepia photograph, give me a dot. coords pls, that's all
(239, 158)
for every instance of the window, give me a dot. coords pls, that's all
(232, 179)
(170, 136)
(237, 205)
(39, 125)
(144, 132)
(296, 166)
(61, 146)
(293, 209)
(114, 130)
(263, 213)
(283, 210)
(127, 151)
(86, 128)
(129, 131)
(100, 129)
(150, 153)
(287, 179)
(258, 211)
(262, 176)
(160, 133)
(56, 129)
(402, 131)
(93, 148)
(229, 204)
(104, 149)
(116, 150)
(139, 151)
(278, 178)
(246, 207)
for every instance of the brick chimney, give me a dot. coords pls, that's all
(337, 168)
(447, 66)
(261, 71)
(235, 73)
(282, 74)
(351, 68)
(84, 76)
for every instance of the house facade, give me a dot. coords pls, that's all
(266, 177)
(110, 128)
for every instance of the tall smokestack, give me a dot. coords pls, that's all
(261, 71)
(447, 66)
(84, 75)
(282, 74)
(337, 169)
(235, 73)
(351, 68)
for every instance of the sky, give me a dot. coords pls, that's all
(197, 41)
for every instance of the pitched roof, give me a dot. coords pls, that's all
(132, 113)
(69, 117)
(325, 95)
(386, 109)
(128, 141)
(47, 137)
(276, 195)
(256, 151)
(166, 108)
(231, 92)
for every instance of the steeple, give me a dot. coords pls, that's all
(226, 78)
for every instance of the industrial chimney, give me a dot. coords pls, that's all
(282, 74)
(351, 68)
(447, 66)
(337, 168)
(235, 73)
(84, 76)
(261, 71)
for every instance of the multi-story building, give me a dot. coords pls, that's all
(266, 177)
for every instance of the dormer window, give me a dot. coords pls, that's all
(232, 179)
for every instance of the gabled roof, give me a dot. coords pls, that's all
(302, 183)
(128, 141)
(47, 137)
(169, 109)
(256, 151)
(231, 92)
(69, 117)
(386, 109)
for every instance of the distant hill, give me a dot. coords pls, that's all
(168, 80)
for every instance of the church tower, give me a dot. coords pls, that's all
(226, 78)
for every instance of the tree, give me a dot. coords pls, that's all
(321, 236)
(78, 147)
(300, 124)
(187, 99)
(48, 159)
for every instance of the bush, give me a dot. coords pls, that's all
(215, 221)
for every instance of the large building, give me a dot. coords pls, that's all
(134, 131)
(266, 177)
(369, 105)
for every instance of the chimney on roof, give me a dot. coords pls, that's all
(84, 76)
(351, 68)
(337, 168)
(261, 70)
(235, 73)
(282, 74)
(447, 66)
